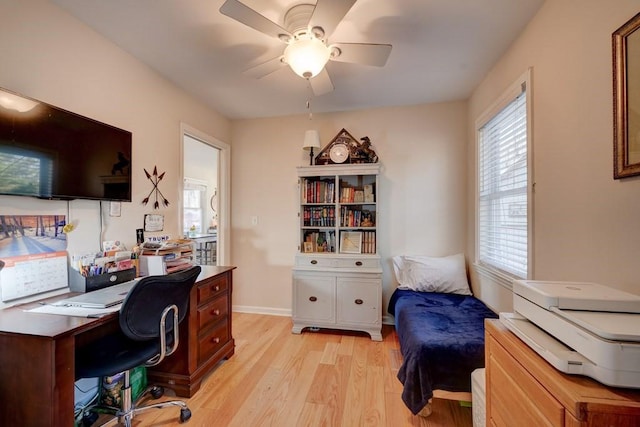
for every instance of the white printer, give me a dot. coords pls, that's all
(580, 328)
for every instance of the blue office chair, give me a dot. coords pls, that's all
(148, 333)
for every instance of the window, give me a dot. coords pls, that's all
(504, 175)
(193, 207)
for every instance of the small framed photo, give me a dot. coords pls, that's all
(153, 222)
(307, 247)
(351, 242)
(358, 196)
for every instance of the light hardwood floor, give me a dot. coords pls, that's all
(276, 378)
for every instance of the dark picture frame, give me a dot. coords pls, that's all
(626, 99)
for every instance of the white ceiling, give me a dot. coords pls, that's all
(441, 50)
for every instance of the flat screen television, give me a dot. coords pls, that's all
(50, 153)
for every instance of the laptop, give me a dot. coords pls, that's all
(101, 298)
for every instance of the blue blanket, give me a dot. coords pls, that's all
(441, 339)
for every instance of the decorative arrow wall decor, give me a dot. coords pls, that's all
(155, 180)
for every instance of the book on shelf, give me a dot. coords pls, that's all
(317, 190)
(369, 242)
(318, 216)
(350, 217)
(347, 195)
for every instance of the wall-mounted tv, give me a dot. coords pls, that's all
(50, 153)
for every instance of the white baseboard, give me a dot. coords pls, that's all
(388, 319)
(262, 310)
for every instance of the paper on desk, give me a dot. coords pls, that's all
(74, 311)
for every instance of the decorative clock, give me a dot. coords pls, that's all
(344, 148)
(339, 152)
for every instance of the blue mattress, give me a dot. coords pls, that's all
(441, 339)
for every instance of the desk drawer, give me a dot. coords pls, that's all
(357, 263)
(212, 312)
(321, 261)
(212, 341)
(212, 287)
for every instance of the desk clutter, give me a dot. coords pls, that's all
(28, 277)
(116, 264)
(167, 257)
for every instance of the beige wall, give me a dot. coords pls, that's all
(586, 223)
(422, 191)
(49, 55)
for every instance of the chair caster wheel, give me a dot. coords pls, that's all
(157, 392)
(185, 414)
(89, 419)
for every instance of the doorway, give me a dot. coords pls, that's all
(204, 202)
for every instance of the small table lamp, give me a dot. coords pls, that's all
(311, 141)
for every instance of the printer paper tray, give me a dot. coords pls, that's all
(564, 358)
(553, 351)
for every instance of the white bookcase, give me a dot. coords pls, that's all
(337, 276)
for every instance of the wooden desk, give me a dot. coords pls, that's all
(522, 389)
(37, 352)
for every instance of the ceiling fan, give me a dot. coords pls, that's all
(306, 32)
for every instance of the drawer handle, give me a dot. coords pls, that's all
(215, 288)
(215, 340)
(358, 263)
(313, 299)
(215, 312)
(358, 301)
(314, 262)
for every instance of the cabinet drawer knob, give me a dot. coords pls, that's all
(358, 301)
(215, 312)
(314, 262)
(215, 288)
(358, 263)
(215, 340)
(313, 299)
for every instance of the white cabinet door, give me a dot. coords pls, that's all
(359, 301)
(314, 297)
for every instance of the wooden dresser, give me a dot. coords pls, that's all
(522, 389)
(205, 335)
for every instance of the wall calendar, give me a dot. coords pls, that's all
(27, 275)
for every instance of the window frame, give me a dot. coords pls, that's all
(506, 98)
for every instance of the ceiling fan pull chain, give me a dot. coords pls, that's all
(309, 100)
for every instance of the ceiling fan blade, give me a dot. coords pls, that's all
(321, 83)
(328, 14)
(265, 68)
(249, 17)
(363, 53)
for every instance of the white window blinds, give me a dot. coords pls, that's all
(503, 227)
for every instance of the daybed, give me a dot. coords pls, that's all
(441, 333)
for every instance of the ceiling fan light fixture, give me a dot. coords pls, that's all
(307, 56)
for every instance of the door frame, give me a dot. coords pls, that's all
(224, 187)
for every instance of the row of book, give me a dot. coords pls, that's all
(319, 241)
(368, 242)
(350, 217)
(319, 216)
(357, 195)
(317, 191)
(324, 191)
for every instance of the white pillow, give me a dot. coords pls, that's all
(432, 274)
